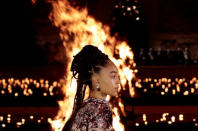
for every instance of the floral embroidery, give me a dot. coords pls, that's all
(94, 115)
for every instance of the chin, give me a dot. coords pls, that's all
(114, 94)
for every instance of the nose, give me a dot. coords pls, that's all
(118, 80)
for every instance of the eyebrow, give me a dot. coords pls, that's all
(113, 72)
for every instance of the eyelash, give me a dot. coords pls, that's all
(114, 76)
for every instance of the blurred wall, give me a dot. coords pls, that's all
(172, 24)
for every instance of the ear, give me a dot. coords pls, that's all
(95, 79)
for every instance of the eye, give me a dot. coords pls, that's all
(114, 76)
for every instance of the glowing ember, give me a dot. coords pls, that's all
(78, 29)
(33, 2)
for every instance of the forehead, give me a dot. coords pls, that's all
(110, 68)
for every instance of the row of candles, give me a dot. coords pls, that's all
(167, 86)
(167, 118)
(177, 86)
(26, 86)
(9, 119)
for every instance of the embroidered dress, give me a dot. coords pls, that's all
(94, 115)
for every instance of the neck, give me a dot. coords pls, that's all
(97, 94)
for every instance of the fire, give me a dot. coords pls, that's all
(78, 29)
(116, 121)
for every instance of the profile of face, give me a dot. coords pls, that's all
(108, 79)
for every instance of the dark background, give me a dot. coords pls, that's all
(28, 37)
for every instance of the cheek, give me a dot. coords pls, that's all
(110, 83)
(113, 82)
(107, 82)
(108, 86)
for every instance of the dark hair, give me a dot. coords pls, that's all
(87, 60)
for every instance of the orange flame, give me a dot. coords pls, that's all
(78, 29)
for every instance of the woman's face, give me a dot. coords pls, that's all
(108, 79)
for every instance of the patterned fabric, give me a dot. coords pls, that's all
(94, 115)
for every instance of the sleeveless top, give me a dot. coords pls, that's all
(94, 115)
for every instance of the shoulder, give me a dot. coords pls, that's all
(95, 107)
(94, 113)
(96, 102)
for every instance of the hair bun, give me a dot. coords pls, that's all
(86, 60)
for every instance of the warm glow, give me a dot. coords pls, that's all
(173, 118)
(181, 117)
(116, 121)
(33, 2)
(144, 117)
(3, 125)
